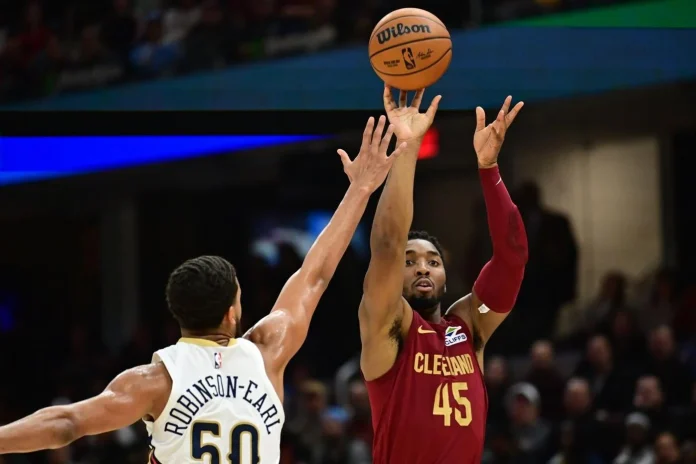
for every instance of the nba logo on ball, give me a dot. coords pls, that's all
(452, 337)
(217, 358)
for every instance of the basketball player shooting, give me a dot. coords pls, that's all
(423, 370)
(215, 395)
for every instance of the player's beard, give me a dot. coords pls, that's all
(424, 305)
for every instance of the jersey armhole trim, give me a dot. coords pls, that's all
(160, 357)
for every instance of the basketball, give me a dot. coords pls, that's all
(410, 49)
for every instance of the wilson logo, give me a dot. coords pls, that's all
(385, 35)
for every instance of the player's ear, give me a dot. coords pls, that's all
(230, 316)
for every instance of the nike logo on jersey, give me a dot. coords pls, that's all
(421, 330)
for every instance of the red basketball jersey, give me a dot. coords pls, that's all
(430, 407)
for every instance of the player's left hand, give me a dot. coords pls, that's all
(488, 139)
(370, 168)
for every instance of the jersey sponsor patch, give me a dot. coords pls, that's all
(452, 336)
(217, 359)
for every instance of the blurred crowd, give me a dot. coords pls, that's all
(609, 380)
(51, 47)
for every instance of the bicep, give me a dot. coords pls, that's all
(128, 398)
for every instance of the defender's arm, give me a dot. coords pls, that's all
(132, 395)
(285, 329)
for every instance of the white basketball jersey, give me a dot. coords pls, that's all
(222, 408)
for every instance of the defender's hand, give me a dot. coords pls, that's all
(371, 166)
(488, 139)
(409, 123)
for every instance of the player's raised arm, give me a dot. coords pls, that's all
(135, 393)
(285, 329)
(382, 287)
(498, 284)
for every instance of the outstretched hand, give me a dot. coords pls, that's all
(409, 123)
(371, 166)
(488, 139)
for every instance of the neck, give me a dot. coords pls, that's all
(219, 336)
(432, 314)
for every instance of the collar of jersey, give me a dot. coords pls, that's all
(204, 342)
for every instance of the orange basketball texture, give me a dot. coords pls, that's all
(410, 49)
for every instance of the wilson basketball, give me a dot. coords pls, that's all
(410, 49)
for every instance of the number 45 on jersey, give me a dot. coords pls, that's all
(462, 409)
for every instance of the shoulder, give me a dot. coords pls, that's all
(152, 377)
(270, 329)
(149, 382)
(462, 308)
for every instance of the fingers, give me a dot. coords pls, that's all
(388, 98)
(510, 117)
(403, 98)
(498, 127)
(432, 109)
(384, 145)
(480, 119)
(501, 117)
(345, 159)
(377, 134)
(398, 151)
(416, 103)
(367, 133)
(506, 104)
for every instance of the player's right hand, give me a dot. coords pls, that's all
(409, 123)
(370, 168)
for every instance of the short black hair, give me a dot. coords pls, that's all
(201, 291)
(423, 235)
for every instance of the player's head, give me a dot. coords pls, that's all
(203, 294)
(424, 273)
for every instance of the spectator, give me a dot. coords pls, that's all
(637, 449)
(360, 425)
(551, 274)
(531, 433)
(664, 363)
(666, 449)
(626, 340)
(608, 382)
(544, 375)
(610, 300)
(308, 425)
(650, 400)
(658, 307)
(497, 384)
(574, 447)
